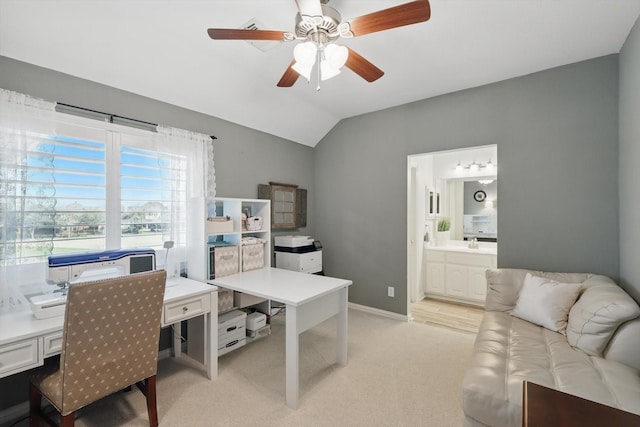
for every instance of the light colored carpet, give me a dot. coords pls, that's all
(398, 374)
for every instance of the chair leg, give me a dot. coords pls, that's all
(67, 420)
(35, 400)
(152, 408)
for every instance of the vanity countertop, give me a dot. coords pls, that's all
(462, 246)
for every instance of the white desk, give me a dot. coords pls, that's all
(309, 300)
(26, 341)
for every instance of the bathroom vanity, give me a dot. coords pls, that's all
(456, 272)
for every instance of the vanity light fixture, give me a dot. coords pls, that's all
(475, 167)
(485, 181)
(488, 166)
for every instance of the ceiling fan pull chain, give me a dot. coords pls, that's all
(319, 69)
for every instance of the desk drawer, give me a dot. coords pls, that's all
(19, 357)
(186, 309)
(52, 344)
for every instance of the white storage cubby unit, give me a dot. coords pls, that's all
(234, 208)
(230, 301)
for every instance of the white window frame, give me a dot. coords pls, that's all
(35, 272)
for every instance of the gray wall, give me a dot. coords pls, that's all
(556, 132)
(629, 162)
(244, 157)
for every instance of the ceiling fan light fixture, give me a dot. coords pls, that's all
(305, 54)
(303, 70)
(336, 55)
(328, 71)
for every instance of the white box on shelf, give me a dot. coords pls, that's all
(242, 300)
(219, 225)
(256, 320)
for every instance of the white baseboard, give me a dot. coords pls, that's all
(379, 312)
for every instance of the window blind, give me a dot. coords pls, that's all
(153, 197)
(54, 200)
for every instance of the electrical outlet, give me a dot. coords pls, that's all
(391, 291)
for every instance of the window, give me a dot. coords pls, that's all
(152, 197)
(77, 184)
(93, 186)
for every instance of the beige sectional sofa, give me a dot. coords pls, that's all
(595, 356)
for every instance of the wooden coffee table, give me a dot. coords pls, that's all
(546, 407)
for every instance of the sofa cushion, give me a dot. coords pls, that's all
(504, 285)
(546, 302)
(509, 350)
(596, 315)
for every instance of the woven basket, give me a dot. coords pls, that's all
(254, 223)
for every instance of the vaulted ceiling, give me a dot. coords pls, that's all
(160, 49)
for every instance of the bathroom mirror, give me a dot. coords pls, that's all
(473, 207)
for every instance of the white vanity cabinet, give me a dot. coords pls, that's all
(457, 273)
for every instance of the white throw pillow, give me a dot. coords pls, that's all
(546, 302)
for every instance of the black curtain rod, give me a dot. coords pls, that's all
(111, 116)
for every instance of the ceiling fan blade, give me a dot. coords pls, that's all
(236, 34)
(397, 16)
(365, 69)
(309, 7)
(289, 77)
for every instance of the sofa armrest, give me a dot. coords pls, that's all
(624, 346)
(503, 288)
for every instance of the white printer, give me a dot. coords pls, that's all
(298, 253)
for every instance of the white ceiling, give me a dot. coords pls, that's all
(160, 49)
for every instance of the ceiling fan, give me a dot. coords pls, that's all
(318, 26)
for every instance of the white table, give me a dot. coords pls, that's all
(309, 299)
(26, 341)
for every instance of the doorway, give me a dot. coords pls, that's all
(458, 187)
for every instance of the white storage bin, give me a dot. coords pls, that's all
(254, 223)
(231, 344)
(256, 320)
(230, 323)
(242, 300)
(217, 225)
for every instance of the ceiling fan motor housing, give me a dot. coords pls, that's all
(320, 29)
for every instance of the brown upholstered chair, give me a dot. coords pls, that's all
(109, 342)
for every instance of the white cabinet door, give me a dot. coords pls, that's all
(477, 283)
(435, 278)
(456, 280)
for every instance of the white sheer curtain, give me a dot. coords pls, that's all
(196, 150)
(28, 125)
(23, 122)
